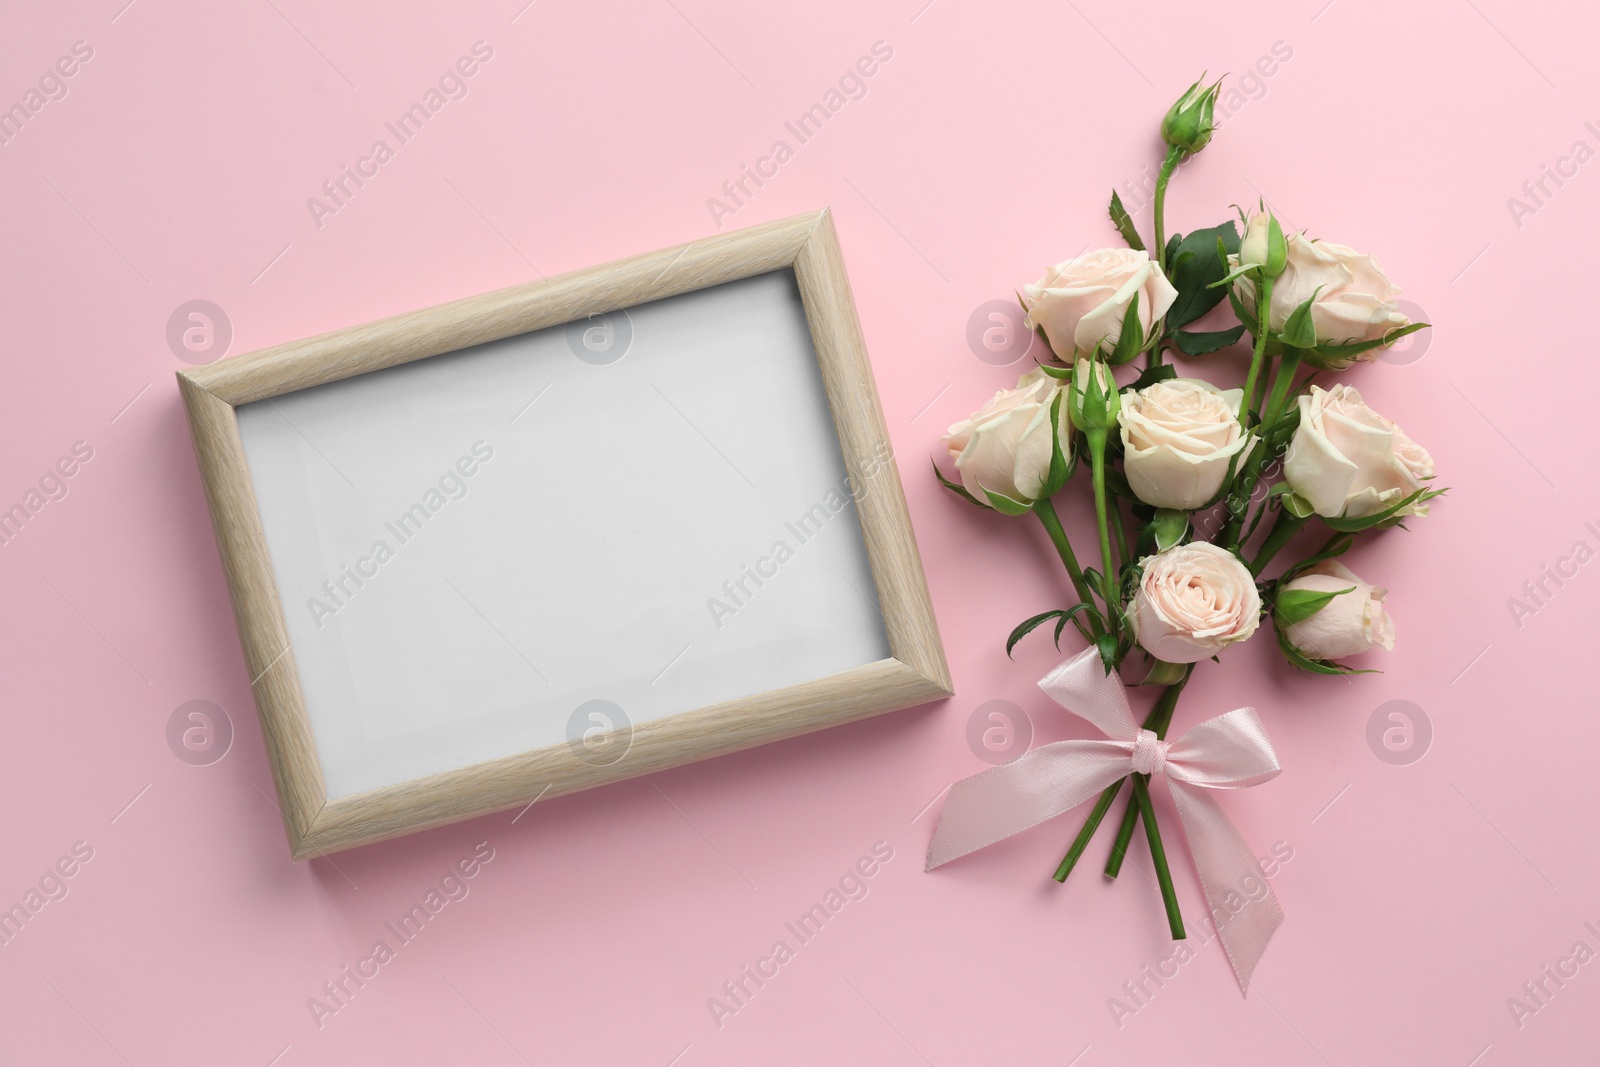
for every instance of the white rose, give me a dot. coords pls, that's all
(1356, 299)
(1349, 461)
(1006, 446)
(1348, 624)
(1193, 601)
(1178, 438)
(1080, 304)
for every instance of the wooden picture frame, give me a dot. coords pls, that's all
(915, 671)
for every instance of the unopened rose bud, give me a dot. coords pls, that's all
(1188, 123)
(1351, 623)
(1094, 400)
(1264, 245)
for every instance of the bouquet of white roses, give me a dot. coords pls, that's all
(1196, 488)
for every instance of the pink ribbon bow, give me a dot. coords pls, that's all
(1231, 751)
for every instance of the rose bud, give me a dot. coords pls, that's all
(1188, 123)
(1348, 461)
(1178, 438)
(1354, 299)
(1080, 304)
(1351, 623)
(1005, 448)
(1193, 601)
(1263, 245)
(1095, 404)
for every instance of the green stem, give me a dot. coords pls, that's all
(1119, 847)
(1090, 825)
(1109, 794)
(1097, 453)
(1282, 386)
(1245, 482)
(1052, 524)
(1120, 529)
(1283, 530)
(1158, 856)
(1159, 720)
(1168, 166)
(1263, 300)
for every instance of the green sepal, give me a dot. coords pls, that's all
(1299, 659)
(1005, 505)
(1277, 249)
(1131, 340)
(1058, 373)
(1061, 464)
(1297, 605)
(1168, 527)
(1338, 357)
(1295, 504)
(956, 488)
(1299, 331)
(1163, 673)
(1392, 512)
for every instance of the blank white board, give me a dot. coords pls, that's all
(648, 509)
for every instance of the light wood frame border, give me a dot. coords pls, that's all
(914, 673)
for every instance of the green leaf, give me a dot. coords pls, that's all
(958, 490)
(1298, 605)
(1299, 331)
(1169, 527)
(1067, 616)
(1132, 337)
(1027, 626)
(1200, 344)
(1124, 224)
(1151, 375)
(1198, 265)
(1108, 651)
(1005, 505)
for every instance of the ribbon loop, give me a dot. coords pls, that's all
(1149, 753)
(1230, 751)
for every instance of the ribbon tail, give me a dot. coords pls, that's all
(1229, 873)
(1010, 798)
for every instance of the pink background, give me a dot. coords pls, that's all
(1419, 897)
